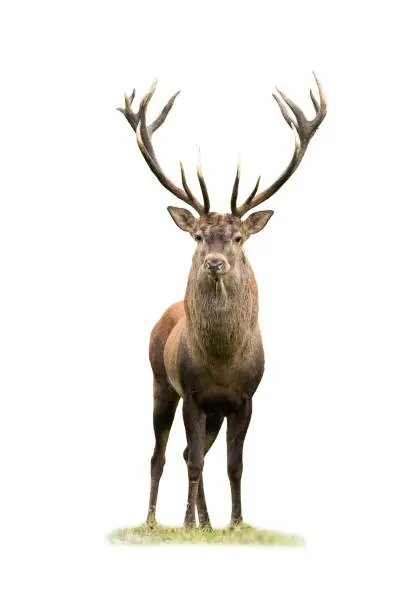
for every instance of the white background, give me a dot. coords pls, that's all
(90, 258)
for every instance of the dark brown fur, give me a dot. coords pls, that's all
(208, 350)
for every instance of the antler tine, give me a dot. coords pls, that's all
(184, 181)
(203, 186)
(132, 117)
(322, 111)
(163, 115)
(303, 130)
(144, 133)
(234, 195)
(315, 102)
(251, 195)
(143, 129)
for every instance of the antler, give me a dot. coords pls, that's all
(144, 140)
(303, 130)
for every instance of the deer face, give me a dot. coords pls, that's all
(219, 238)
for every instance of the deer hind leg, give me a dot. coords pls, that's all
(237, 426)
(165, 404)
(213, 425)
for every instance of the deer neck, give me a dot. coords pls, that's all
(222, 315)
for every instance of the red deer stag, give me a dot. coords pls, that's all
(207, 349)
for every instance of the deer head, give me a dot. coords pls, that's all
(220, 237)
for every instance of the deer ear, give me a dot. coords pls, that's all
(257, 221)
(183, 218)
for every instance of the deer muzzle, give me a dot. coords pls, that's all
(216, 264)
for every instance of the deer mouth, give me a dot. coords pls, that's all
(215, 275)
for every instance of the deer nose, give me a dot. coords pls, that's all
(214, 264)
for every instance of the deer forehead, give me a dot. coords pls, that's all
(221, 225)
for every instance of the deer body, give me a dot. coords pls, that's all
(220, 380)
(207, 350)
(217, 337)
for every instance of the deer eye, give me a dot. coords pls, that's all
(197, 237)
(238, 238)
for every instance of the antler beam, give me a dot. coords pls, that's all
(144, 139)
(303, 130)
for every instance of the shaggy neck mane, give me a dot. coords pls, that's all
(222, 315)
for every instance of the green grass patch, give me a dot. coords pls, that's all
(242, 534)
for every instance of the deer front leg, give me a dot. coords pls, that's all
(194, 422)
(237, 426)
(212, 427)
